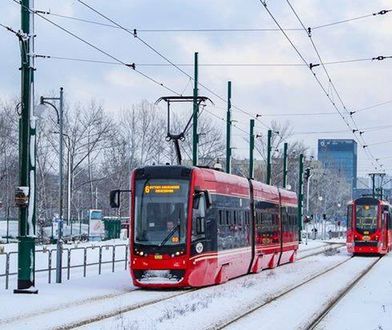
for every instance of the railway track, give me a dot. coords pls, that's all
(318, 318)
(340, 296)
(55, 312)
(123, 310)
(234, 320)
(321, 249)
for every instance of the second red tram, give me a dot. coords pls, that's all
(369, 226)
(193, 227)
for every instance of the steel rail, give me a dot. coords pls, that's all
(117, 311)
(340, 296)
(237, 318)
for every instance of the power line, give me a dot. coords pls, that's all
(371, 107)
(314, 74)
(134, 33)
(362, 131)
(128, 65)
(213, 30)
(300, 114)
(204, 64)
(381, 12)
(308, 31)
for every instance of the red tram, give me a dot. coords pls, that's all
(369, 226)
(193, 227)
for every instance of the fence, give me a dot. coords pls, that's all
(68, 253)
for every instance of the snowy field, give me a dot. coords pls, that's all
(292, 296)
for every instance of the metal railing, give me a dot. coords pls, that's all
(69, 266)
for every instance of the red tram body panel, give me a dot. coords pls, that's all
(369, 226)
(193, 227)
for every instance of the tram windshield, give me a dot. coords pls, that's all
(366, 217)
(161, 211)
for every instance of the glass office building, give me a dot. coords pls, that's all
(339, 155)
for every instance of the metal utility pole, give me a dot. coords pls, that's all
(300, 195)
(69, 182)
(228, 129)
(269, 142)
(195, 112)
(25, 194)
(374, 190)
(59, 261)
(251, 148)
(285, 147)
(308, 175)
(60, 121)
(373, 176)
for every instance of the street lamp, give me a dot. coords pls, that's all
(308, 175)
(45, 101)
(69, 170)
(320, 198)
(339, 205)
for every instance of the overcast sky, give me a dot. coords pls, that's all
(278, 91)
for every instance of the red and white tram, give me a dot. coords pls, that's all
(193, 227)
(369, 226)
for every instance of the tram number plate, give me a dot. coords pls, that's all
(158, 256)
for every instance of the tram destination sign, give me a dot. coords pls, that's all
(162, 189)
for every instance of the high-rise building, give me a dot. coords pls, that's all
(339, 155)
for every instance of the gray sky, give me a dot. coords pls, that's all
(263, 90)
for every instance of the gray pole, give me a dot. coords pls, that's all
(59, 260)
(269, 142)
(285, 147)
(8, 223)
(195, 112)
(307, 207)
(251, 148)
(69, 183)
(228, 129)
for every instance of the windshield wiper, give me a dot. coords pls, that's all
(170, 235)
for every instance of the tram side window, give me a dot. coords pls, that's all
(286, 220)
(233, 231)
(349, 216)
(389, 220)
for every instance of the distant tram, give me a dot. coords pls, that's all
(369, 226)
(193, 227)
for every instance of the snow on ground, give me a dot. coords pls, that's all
(368, 305)
(209, 307)
(81, 299)
(313, 297)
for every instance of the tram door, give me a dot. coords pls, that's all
(384, 227)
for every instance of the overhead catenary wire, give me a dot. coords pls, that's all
(213, 30)
(87, 60)
(100, 50)
(252, 115)
(371, 107)
(308, 31)
(372, 158)
(134, 34)
(120, 62)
